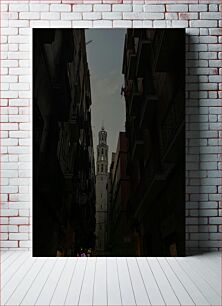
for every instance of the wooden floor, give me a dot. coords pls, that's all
(110, 281)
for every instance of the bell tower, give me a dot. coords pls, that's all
(101, 193)
(102, 153)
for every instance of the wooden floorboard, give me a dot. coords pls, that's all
(194, 280)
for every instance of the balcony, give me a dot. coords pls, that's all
(131, 65)
(137, 144)
(143, 55)
(147, 110)
(168, 55)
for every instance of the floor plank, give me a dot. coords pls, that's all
(179, 289)
(208, 292)
(86, 294)
(188, 283)
(4, 255)
(33, 293)
(152, 287)
(73, 294)
(139, 288)
(213, 279)
(193, 280)
(60, 293)
(113, 285)
(166, 289)
(10, 261)
(49, 287)
(126, 289)
(100, 283)
(22, 288)
(16, 279)
(13, 269)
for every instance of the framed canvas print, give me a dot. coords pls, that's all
(108, 142)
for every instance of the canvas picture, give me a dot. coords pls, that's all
(108, 142)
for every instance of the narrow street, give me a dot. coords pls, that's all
(109, 142)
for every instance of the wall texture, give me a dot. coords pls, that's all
(203, 102)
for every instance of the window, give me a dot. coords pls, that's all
(102, 150)
(102, 168)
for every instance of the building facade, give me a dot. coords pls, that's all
(119, 239)
(153, 68)
(63, 159)
(101, 193)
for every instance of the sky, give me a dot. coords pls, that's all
(105, 56)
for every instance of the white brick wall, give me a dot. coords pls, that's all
(203, 105)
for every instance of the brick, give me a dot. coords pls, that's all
(215, 63)
(82, 24)
(9, 142)
(13, 47)
(188, 16)
(19, 7)
(39, 24)
(24, 212)
(112, 15)
(19, 118)
(9, 126)
(137, 8)
(210, 244)
(121, 7)
(147, 24)
(213, 7)
(203, 23)
(19, 102)
(18, 220)
(4, 236)
(29, 15)
(39, 7)
(71, 16)
(102, 23)
(60, 24)
(24, 229)
(215, 236)
(177, 8)
(9, 31)
(208, 16)
(13, 158)
(8, 244)
(199, 236)
(82, 8)
(9, 63)
(208, 212)
(122, 23)
(60, 8)
(171, 16)
(215, 220)
(138, 15)
(18, 23)
(51, 16)
(18, 150)
(154, 8)
(92, 15)
(18, 236)
(9, 212)
(102, 7)
(197, 7)
(25, 244)
(19, 71)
